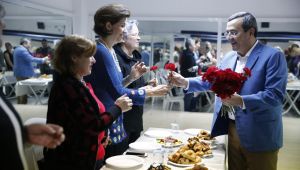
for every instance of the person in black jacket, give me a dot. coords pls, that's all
(187, 59)
(128, 58)
(187, 62)
(14, 134)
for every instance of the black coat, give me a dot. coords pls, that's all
(187, 61)
(13, 134)
(133, 119)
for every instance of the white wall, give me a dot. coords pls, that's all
(51, 26)
(205, 8)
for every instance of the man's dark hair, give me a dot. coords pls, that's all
(294, 46)
(197, 40)
(249, 21)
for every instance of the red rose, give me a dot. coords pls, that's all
(170, 66)
(153, 68)
(247, 71)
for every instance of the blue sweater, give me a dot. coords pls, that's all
(106, 80)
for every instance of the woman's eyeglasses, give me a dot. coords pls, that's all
(134, 35)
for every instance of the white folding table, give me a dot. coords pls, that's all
(292, 95)
(35, 86)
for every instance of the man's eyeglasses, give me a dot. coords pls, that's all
(231, 33)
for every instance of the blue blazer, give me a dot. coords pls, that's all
(259, 126)
(23, 62)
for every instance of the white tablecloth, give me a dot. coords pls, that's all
(32, 86)
(217, 162)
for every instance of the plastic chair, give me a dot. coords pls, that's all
(34, 153)
(8, 80)
(160, 76)
(169, 100)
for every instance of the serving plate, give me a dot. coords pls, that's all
(184, 165)
(181, 165)
(144, 146)
(169, 142)
(124, 162)
(193, 131)
(157, 133)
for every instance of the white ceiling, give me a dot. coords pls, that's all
(165, 16)
(206, 8)
(161, 9)
(21, 8)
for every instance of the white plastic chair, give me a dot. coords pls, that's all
(169, 100)
(160, 76)
(8, 80)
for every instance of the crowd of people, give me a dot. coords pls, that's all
(95, 106)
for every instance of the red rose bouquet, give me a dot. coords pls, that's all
(225, 83)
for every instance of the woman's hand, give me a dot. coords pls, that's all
(159, 90)
(137, 70)
(124, 102)
(106, 141)
(146, 87)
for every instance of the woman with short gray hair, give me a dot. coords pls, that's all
(128, 55)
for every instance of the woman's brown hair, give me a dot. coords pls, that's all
(68, 47)
(112, 13)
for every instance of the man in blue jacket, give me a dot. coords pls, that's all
(255, 127)
(23, 68)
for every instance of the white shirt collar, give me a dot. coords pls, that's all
(251, 49)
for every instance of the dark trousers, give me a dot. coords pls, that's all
(241, 159)
(116, 149)
(22, 99)
(133, 136)
(45, 69)
(98, 164)
(188, 102)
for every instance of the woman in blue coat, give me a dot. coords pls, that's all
(106, 77)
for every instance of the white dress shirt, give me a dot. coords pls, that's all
(240, 65)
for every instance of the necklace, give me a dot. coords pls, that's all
(113, 53)
(104, 44)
